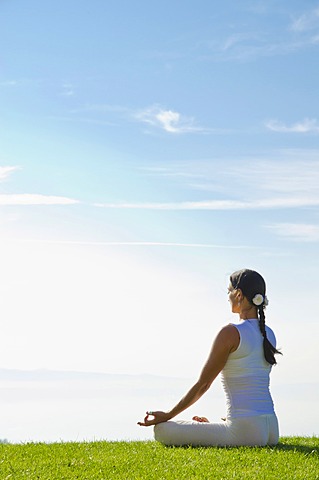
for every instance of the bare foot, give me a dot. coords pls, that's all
(200, 419)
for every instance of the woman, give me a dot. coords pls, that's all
(244, 354)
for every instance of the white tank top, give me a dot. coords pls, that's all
(245, 377)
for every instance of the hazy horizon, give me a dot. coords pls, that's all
(53, 406)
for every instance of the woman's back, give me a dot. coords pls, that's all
(245, 376)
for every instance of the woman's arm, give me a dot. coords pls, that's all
(226, 342)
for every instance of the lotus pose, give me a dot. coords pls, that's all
(244, 353)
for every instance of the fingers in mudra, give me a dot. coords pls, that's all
(152, 418)
(147, 420)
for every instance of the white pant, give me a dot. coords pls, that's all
(241, 431)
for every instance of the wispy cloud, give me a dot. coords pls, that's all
(308, 125)
(289, 179)
(13, 199)
(241, 43)
(34, 199)
(302, 232)
(138, 244)
(5, 172)
(280, 173)
(307, 21)
(245, 47)
(288, 173)
(252, 43)
(170, 121)
(268, 203)
(155, 116)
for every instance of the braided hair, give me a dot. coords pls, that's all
(253, 287)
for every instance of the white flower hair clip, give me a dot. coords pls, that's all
(259, 300)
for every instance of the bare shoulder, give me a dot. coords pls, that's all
(228, 331)
(228, 335)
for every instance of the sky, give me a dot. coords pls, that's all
(148, 150)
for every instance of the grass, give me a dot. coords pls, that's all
(292, 459)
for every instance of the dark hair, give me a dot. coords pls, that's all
(251, 283)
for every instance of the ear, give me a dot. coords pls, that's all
(239, 294)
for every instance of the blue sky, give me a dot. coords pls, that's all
(147, 151)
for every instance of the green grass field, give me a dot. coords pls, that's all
(293, 458)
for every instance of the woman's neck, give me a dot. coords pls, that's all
(248, 313)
